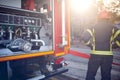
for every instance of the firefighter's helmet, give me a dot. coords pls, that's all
(103, 14)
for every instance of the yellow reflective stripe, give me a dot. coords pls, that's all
(113, 31)
(91, 33)
(112, 37)
(87, 43)
(93, 38)
(116, 34)
(101, 52)
(118, 43)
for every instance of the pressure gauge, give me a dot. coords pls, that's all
(25, 20)
(29, 21)
(33, 21)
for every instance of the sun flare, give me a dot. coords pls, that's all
(80, 5)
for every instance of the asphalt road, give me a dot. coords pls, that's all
(62, 77)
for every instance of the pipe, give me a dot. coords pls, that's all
(64, 42)
(10, 33)
(38, 40)
(36, 36)
(2, 32)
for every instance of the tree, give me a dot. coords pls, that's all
(112, 6)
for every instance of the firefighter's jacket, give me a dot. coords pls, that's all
(100, 37)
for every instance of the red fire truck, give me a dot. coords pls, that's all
(34, 37)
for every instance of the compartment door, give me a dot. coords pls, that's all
(61, 23)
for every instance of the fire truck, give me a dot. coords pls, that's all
(34, 37)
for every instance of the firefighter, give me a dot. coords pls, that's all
(100, 38)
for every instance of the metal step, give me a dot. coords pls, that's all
(43, 77)
(37, 77)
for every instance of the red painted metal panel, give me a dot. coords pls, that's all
(57, 26)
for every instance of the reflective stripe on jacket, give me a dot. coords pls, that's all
(117, 34)
(92, 41)
(102, 36)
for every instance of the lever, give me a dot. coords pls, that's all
(10, 33)
(1, 32)
(28, 32)
(36, 36)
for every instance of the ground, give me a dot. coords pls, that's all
(78, 66)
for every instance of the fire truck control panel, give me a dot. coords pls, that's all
(24, 31)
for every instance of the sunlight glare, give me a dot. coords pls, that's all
(80, 5)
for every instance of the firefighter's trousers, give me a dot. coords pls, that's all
(104, 62)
